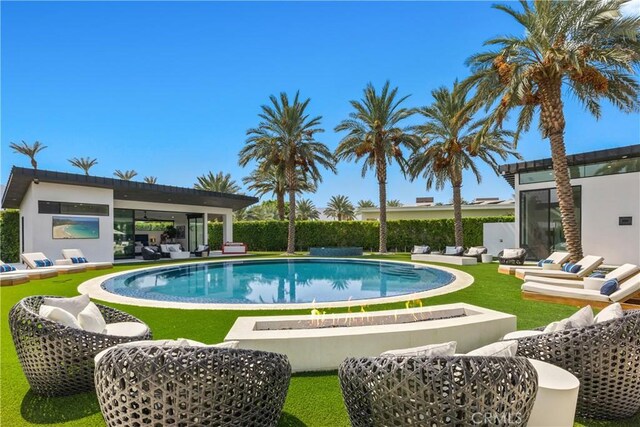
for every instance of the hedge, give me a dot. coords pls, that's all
(402, 234)
(10, 235)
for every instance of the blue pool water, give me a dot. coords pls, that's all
(278, 281)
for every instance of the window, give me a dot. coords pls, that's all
(540, 221)
(70, 208)
(612, 167)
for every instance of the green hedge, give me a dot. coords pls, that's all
(10, 236)
(402, 235)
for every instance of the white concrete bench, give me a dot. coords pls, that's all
(445, 259)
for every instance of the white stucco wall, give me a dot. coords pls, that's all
(604, 200)
(497, 236)
(38, 231)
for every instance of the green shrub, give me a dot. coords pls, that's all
(402, 234)
(10, 235)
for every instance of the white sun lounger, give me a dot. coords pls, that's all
(91, 265)
(588, 264)
(556, 258)
(622, 273)
(40, 273)
(30, 259)
(626, 295)
(10, 278)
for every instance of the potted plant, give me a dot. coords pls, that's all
(170, 233)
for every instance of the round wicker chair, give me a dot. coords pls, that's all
(191, 386)
(605, 357)
(58, 360)
(426, 391)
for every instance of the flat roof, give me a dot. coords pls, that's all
(494, 204)
(509, 171)
(20, 179)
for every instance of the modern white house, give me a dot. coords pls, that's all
(606, 187)
(426, 208)
(98, 215)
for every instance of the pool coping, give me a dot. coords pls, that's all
(93, 288)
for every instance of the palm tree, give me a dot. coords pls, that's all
(84, 163)
(271, 179)
(285, 138)
(126, 175)
(585, 48)
(394, 203)
(365, 204)
(340, 208)
(221, 183)
(28, 150)
(306, 210)
(452, 142)
(150, 179)
(375, 136)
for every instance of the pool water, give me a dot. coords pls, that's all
(278, 281)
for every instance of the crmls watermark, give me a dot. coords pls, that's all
(502, 419)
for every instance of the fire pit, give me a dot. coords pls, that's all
(321, 342)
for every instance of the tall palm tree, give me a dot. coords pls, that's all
(285, 137)
(151, 179)
(394, 203)
(221, 183)
(84, 163)
(587, 49)
(365, 204)
(340, 208)
(306, 210)
(374, 135)
(452, 141)
(271, 179)
(125, 175)
(28, 150)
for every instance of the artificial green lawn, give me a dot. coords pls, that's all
(313, 399)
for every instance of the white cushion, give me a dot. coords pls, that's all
(90, 319)
(125, 329)
(497, 349)
(511, 253)
(563, 291)
(474, 251)
(558, 326)
(72, 253)
(610, 312)
(59, 315)
(180, 342)
(226, 344)
(173, 249)
(521, 334)
(626, 289)
(201, 248)
(623, 272)
(73, 305)
(431, 350)
(582, 318)
(450, 250)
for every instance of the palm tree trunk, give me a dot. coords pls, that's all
(553, 124)
(457, 213)
(280, 204)
(291, 240)
(34, 163)
(381, 172)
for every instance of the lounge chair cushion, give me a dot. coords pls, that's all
(571, 268)
(431, 350)
(43, 262)
(609, 287)
(544, 261)
(623, 272)
(125, 329)
(497, 349)
(73, 305)
(79, 260)
(90, 319)
(610, 312)
(512, 253)
(6, 267)
(59, 315)
(420, 250)
(627, 288)
(565, 292)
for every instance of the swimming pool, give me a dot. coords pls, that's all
(279, 281)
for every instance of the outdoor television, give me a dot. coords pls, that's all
(75, 227)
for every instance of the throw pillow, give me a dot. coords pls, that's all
(582, 317)
(450, 250)
(6, 267)
(74, 259)
(597, 275)
(510, 253)
(173, 249)
(610, 312)
(39, 263)
(91, 320)
(59, 315)
(497, 349)
(82, 260)
(73, 305)
(431, 350)
(567, 266)
(609, 287)
(575, 268)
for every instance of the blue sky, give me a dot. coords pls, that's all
(169, 89)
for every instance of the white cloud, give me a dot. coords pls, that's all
(631, 8)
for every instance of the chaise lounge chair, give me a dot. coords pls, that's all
(587, 265)
(38, 260)
(622, 273)
(417, 249)
(627, 294)
(40, 273)
(557, 258)
(75, 255)
(13, 278)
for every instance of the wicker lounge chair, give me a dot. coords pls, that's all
(58, 360)
(150, 254)
(423, 391)
(202, 251)
(512, 256)
(605, 357)
(191, 386)
(475, 251)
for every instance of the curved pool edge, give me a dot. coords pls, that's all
(93, 288)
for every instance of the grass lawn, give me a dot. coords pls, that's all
(313, 399)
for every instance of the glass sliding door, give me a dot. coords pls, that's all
(196, 231)
(541, 223)
(123, 233)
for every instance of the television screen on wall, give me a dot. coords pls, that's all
(74, 227)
